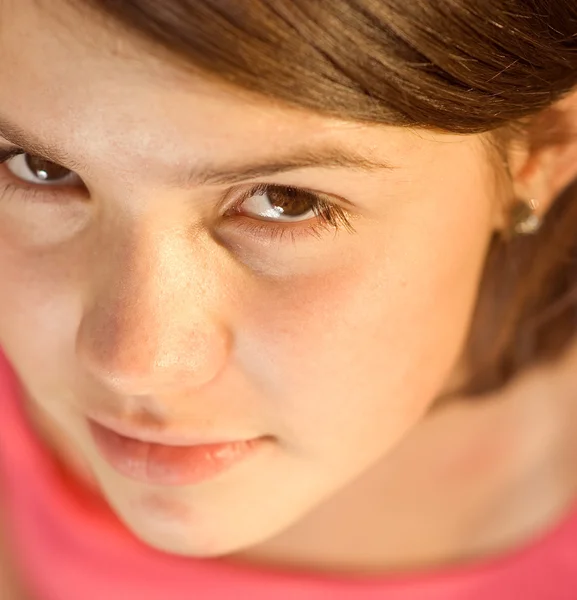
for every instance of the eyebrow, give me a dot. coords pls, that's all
(327, 155)
(20, 138)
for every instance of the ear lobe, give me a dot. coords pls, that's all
(549, 164)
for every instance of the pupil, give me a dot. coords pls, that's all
(45, 170)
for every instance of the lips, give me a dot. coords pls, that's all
(169, 463)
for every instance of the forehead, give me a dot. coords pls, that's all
(91, 86)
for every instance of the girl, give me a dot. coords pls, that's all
(288, 299)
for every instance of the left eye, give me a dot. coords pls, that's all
(37, 170)
(280, 204)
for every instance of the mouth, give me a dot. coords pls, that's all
(169, 461)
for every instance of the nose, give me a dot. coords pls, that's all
(151, 319)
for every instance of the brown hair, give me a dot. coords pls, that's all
(459, 66)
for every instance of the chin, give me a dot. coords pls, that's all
(187, 543)
(176, 529)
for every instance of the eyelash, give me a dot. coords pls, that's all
(327, 214)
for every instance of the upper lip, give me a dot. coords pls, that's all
(165, 437)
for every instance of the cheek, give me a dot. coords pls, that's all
(39, 311)
(355, 355)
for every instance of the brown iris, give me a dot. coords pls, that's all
(292, 202)
(45, 170)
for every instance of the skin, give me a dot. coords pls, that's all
(150, 306)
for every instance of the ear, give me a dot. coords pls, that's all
(547, 162)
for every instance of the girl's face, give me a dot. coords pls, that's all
(148, 283)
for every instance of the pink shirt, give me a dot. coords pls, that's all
(70, 546)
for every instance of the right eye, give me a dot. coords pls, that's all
(39, 171)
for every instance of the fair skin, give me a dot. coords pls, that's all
(154, 304)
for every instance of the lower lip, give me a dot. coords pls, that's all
(157, 464)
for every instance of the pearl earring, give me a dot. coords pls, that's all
(525, 220)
